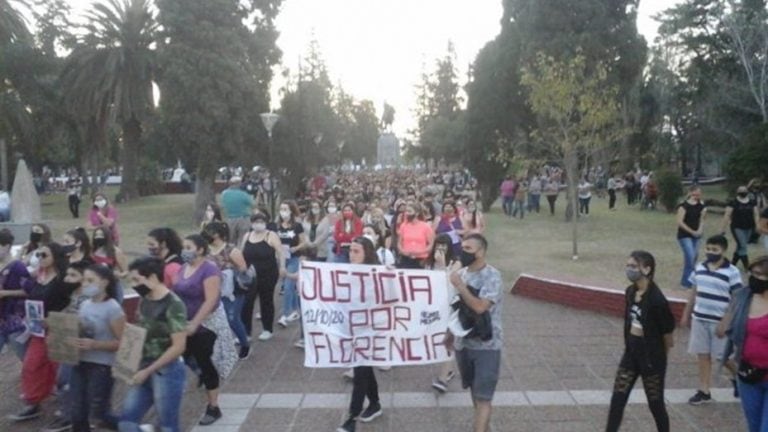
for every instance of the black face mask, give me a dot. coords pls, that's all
(742, 194)
(758, 286)
(141, 290)
(467, 259)
(207, 237)
(68, 249)
(99, 242)
(35, 237)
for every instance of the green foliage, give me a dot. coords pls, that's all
(750, 160)
(670, 185)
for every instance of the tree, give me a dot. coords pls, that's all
(13, 26)
(215, 59)
(109, 79)
(577, 114)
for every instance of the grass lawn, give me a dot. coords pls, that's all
(539, 244)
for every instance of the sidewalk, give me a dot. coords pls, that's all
(557, 374)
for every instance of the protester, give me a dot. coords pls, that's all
(105, 252)
(39, 236)
(714, 282)
(165, 243)
(237, 205)
(74, 189)
(12, 294)
(746, 324)
(443, 258)
(364, 384)
(472, 219)
(212, 214)
(415, 237)
(160, 380)
(347, 228)
(551, 191)
(199, 286)
(317, 233)
(262, 250)
(293, 240)
(103, 215)
(101, 326)
(534, 194)
(690, 226)
(648, 327)
(385, 256)
(478, 354)
(741, 216)
(449, 223)
(508, 189)
(77, 246)
(518, 205)
(585, 196)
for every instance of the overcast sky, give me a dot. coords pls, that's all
(377, 48)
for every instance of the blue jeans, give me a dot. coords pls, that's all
(506, 204)
(754, 402)
(234, 311)
(518, 206)
(91, 393)
(534, 202)
(18, 348)
(165, 390)
(742, 237)
(290, 297)
(690, 247)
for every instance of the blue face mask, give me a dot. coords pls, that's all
(91, 291)
(713, 257)
(188, 256)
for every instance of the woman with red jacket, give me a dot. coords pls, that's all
(348, 228)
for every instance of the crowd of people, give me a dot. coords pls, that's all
(198, 293)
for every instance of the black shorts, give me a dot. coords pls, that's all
(479, 371)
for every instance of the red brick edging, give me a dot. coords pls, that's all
(579, 296)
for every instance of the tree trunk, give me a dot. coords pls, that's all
(129, 187)
(488, 195)
(573, 200)
(205, 192)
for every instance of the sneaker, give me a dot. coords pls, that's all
(211, 415)
(349, 374)
(348, 426)
(385, 368)
(283, 321)
(58, 425)
(265, 336)
(370, 413)
(735, 389)
(700, 398)
(28, 413)
(299, 343)
(245, 352)
(450, 376)
(440, 385)
(294, 316)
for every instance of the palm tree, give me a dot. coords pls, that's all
(108, 80)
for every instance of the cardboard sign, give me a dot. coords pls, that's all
(62, 328)
(360, 315)
(128, 357)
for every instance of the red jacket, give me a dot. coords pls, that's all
(344, 238)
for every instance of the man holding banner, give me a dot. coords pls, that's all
(478, 348)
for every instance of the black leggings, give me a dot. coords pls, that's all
(635, 362)
(74, 205)
(363, 384)
(611, 199)
(265, 291)
(551, 200)
(200, 349)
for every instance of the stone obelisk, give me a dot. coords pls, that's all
(25, 202)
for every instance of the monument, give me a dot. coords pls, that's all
(25, 204)
(388, 150)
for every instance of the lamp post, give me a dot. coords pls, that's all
(269, 120)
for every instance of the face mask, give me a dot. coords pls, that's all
(188, 256)
(467, 258)
(100, 203)
(142, 290)
(371, 238)
(91, 291)
(633, 275)
(332, 210)
(347, 214)
(315, 211)
(285, 215)
(35, 237)
(742, 194)
(154, 251)
(259, 227)
(99, 242)
(207, 237)
(758, 286)
(713, 258)
(68, 249)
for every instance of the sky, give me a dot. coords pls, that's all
(378, 49)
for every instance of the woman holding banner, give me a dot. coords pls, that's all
(442, 258)
(362, 251)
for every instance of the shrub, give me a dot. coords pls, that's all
(749, 160)
(670, 186)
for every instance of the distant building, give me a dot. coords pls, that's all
(388, 150)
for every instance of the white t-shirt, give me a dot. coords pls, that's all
(386, 257)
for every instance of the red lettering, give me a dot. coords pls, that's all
(337, 285)
(376, 319)
(355, 321)
(316, 345)
(316, 281)
(438, 340)
(410, 352)
(395, 347)
(402, 314)
(377, 347)
(346, 347)
(420, 284)
(362, 349)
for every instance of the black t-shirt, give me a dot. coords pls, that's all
(692, 218)
(743, 216)
(290, 236)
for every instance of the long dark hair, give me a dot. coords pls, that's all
(169, 237)
(369, 249)
(645, 259)
(216, 211)
(79, 235)
(60, 260)
(442, 239)
(105, 273)
(109, 245)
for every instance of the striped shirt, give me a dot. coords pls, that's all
(713, 290)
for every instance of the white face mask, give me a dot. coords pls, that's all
(100, 203)
(285, 214)
(259, 227)
(332, 210)
(315, 211)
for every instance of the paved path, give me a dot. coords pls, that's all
(557, 372)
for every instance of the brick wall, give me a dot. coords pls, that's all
(578, 296)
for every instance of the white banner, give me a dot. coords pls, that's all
(360, 315)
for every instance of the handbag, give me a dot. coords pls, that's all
(480, 324)
(750, 374)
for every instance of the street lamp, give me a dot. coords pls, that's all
(269, 120)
